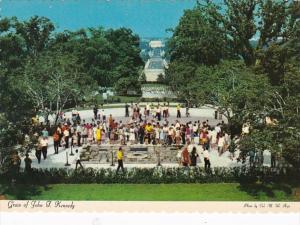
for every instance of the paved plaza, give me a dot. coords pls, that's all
(203, 113)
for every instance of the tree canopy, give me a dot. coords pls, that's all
(41, 68)
(243, 58)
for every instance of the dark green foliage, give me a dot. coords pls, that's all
(110, 57)
(199, 38)
(41, 69)
(156, 176)
(264, 81)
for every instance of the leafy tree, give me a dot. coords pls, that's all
(54, 81)
(127, 55)
(126, 84)
(272, 62)
(243, 20)
(36, 34)
(107, 55)
(199, 38)
(14, 106)
(181, 77)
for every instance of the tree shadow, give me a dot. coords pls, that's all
(263, 191)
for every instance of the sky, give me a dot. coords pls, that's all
(147, 18)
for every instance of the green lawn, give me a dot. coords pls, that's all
(155, 192)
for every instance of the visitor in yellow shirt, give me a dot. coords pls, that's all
(149, 128)
(120, 160)
(98, 135)
(178, 111)
(148, 131)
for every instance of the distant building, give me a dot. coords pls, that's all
(156, 44)
(154, 67)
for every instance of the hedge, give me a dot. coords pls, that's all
(154, 175)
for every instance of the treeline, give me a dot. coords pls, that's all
(42, 69)
(214, 61)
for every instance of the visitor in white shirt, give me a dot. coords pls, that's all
(78, 162)
(218, 128)
(206, 159)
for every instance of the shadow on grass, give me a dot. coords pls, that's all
(22, 191)
(268, 191)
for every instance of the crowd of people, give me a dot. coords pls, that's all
(149, 129)
(153, 128)
(147, 125)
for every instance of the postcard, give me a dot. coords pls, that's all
(179, 108)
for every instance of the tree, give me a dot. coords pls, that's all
(243, 20)
(36, 33)
(54, 81)
(199, 38)
(106, 55)
(14, 106)
(127, 57)
(181, 77)
(125, 84)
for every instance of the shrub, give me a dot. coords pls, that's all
(155, 175)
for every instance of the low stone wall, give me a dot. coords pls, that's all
(139, 154)
(157, 92)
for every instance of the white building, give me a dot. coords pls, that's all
(156, 44)
(153, 68)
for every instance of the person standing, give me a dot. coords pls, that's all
(148, 132)
(98, 135)
(148, 109)
(44, 145)
(161, 136)
(45, 133)
(194, 157)
(126, 110)
(187, 111)
(164, 109)
(60, 133)
(66, 137)
(28, 162)
(131, 135)
(185, 156)
(38, 151)
(178, 111)
(221, 144)
(56, 141)
(141, 134)
(84, 133)
(158, 112)
(79, 134)
(95, 110)
(167, 109)
(206, 159)
(78, 162)
(120, 160)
